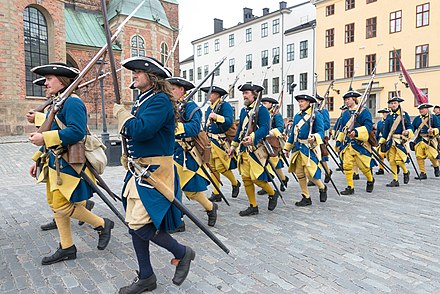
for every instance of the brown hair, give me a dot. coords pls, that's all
(162, 85)
(66, 81)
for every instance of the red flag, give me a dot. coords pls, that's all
(418, 94)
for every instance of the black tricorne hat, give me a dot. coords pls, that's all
(384, 110)
(425, 105)
(215, 89)
(249, 86)
(147, 64)
(436, 106)
(181, 82)
(306, 97)
(319, 97)
(39, 82)
(352, 93)
(343, 107)
(395, 98)
(269, 99)
(57, 69)
(132, 87)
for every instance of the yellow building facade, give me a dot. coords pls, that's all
(354, 35)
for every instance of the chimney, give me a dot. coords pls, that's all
(247, 14)
(283, 5)
(218, 25)
(265, 11)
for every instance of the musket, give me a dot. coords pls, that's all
(97, 78)
(328, 175)
(174, 48)
(144, 173)
(323, 103)
(283, 156)
(231, 87)
(46, 126)
(270, 151)
(42, 107)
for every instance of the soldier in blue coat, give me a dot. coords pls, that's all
(149, 131)
(252, 156)
(379, 129)
(275, 133)
(353, 147)
(303, 144)
(326, 117)
(426, 131)
(66, 191)
(218, 120)
(193, 180)
(397, 132)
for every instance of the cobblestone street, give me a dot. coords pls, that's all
(384, 242)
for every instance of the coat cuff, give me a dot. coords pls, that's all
(39, 119)
(382, 140)
(362, 134)
(235, 144)
(51, 138)
(180, 129)
(288, 146)
(253, 138)
(410, 134)
(275, 132)
(340, 137)
(37, 155)
(220, 119)
(435, 131)
(318, 139)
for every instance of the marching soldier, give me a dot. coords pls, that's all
(426, 128)
(218, 120)
(251, 162)
(336, 127)
(304, 143)
(289, 127)
(193, 181)
(66, 191)
(437, 110)
(277, 128)
(38, 118)
(353, 147)
(149, 130)
(326, 117)
(379, 129)
(395, 135)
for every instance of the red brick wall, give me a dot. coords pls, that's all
(172, 11)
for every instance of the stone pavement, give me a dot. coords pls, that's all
(384, 242)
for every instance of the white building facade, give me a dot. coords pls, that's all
(271, 50)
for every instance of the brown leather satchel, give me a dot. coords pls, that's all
(372, 138)
(274, 142)
(203, 145)
(230, 133)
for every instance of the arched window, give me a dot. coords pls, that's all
(36, 49)
(137, 46)
(163, 53)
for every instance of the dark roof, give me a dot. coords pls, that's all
(301, 27)
(191, 58)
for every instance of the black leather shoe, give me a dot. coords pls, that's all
(356, 177)
(328, 177)
(273, 200)
(261, 192)
(236, 190)
(406, 178)
(338, 169)
(212, 215)
(380, 172)
(179, 229)
(323, 194)
(89, 205)
(140, 285)
(422, 177)
(370, 186)
(284, 186)
(304, 201)
(348, 191)
(310, 184)
(60, 255)
(182, 268)
(105, 233)
(249, 211)
(49, 226)
(436, 171)
(393, 183)
(215, 198)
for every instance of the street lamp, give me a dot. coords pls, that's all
(105, 137)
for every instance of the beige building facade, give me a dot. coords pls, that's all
(352, 36)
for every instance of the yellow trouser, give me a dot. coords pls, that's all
(219, 163)
(248, 182)
(63, 210)
(396, 158)
(350, 157)
(200, 197)
(424, 151)
(302, 173)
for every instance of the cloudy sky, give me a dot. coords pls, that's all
(197, 17)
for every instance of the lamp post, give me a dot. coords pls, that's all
(105, 137)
